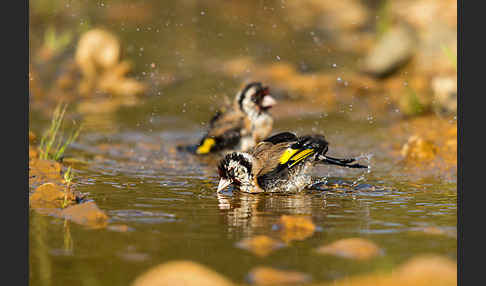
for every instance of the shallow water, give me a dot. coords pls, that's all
(168, 200)
(169, 203)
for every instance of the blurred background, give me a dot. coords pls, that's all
(392, 56)
(377, 77)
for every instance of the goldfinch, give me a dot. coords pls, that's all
(277, 164)
(241, 126)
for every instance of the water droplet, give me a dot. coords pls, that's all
(278, 58)
(203, 13)
(334, 65)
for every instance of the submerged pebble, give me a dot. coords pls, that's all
(422, 270)
(260, 245)
(87, 214)
(352, 248)
(295, 227)
(270, 276)
(182, 273)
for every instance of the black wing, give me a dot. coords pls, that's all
(304, 147)
(281, 138)
(227, 140)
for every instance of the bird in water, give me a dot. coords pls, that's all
(241, 126)
(277, 164)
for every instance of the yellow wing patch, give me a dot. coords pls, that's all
(206, 146)
(296, 155)
(287, 154)
(301, 156)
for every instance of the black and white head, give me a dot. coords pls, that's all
(235, 168)
(255, 99)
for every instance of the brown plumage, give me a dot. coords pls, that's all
(277, 164)
(240, 126)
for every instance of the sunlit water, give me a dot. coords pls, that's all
(169, 202)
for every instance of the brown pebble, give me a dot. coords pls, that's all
(86, 214)
(270, 276)
(181, 273)
(296, 227)
(260, 245)
(352, 248)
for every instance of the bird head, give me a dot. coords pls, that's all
(255, 99)
(235, 169)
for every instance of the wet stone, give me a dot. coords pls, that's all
(87, 214)
(270, 276)
(418, 149)
(183, 273)
(392, 51)
(41, 171)
(120, 228)
(295, 227)
(32, 137)
(48, 195)
(351, 248)
(260, 245)
(423, 270)
(33, 152)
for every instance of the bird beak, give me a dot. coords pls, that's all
(223, 183)
(268, 101)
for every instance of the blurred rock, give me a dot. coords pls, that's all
(32, 137)
(296, 227)
(435, 22)
(352, 248)
(48, 195)
(114, 81)
(394, 49)
(98, 57)
(97, 49)
(41, 171)
(131, 12)
(422, 270)
(120, 228)
(260, 245)
(445, 93)
(418, 149)
(33, 152)
(333, 16)
(433, 230)
(181, 273)
(87, 214)
(269, 276)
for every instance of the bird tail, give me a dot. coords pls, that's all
(187, 148)
(340, 162)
